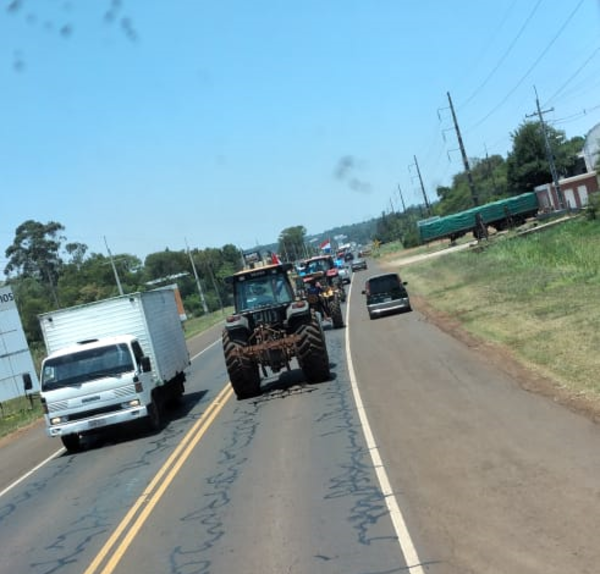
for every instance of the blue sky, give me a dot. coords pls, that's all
(152, 123)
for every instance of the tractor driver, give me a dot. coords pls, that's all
(313, 294)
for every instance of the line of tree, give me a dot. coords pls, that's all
(47, 272)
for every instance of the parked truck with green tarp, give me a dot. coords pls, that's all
(500, 215)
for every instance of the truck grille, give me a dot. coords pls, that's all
(94, 412)
(119, 393)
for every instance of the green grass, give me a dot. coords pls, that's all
(19, 413)
(538, 295)
(199, 324)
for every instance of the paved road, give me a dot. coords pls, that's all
(489, 478)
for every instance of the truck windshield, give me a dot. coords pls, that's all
(86, 365)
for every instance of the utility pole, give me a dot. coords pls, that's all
(114, 268)
(216, 288)
(464, 155)
(198, 284)
(427, 206)
(402, 199)
(539, 113)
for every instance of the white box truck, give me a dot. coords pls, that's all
(111, 362)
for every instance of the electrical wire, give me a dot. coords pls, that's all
(573, 76)
(505, 55)
(532, 67)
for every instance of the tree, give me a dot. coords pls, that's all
(292, 243)
(34, 253)
(165, 264)
(527, 163)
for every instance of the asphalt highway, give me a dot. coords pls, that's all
(417, 456)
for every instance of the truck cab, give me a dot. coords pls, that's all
(93, 384)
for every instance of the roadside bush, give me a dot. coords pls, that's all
(593, 207)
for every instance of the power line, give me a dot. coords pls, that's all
(573, 75)
(504, 56)
(575, 117)
(532, 67)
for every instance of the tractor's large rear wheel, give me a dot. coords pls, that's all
(311, 351)
(243, 372)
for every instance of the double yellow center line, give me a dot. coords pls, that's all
(112, 552)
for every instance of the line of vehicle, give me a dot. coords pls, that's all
(115, 547)
(407, 546)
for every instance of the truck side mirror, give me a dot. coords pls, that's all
(145, 364)
(27, 382)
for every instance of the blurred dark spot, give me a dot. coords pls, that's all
(18, 62)
(31, 19)
(344, 166)
(360, 186)
(66, 31)
(127, 27)
(14, 6)
(344, 171)
(113, 12)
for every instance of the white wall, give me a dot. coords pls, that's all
(15, 358)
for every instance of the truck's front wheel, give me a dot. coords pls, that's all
(311, 351)
(243, 372)
(72, 442)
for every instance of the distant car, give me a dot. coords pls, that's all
(386, 294)
(344, 274)
(358, 264)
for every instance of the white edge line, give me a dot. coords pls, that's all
(204, 350)
(61, 450)
(28, 474)
(407, 547)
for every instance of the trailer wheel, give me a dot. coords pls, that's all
(311, 352)
(243, 372)
(72, 442)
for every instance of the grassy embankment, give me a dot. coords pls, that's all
(537, 295)
(20, 412)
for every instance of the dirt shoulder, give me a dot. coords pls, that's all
(501, 357)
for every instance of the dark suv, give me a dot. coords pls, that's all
(385, 294)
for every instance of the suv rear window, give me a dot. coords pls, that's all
(383, 284)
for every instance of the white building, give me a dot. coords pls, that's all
(16, 364)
